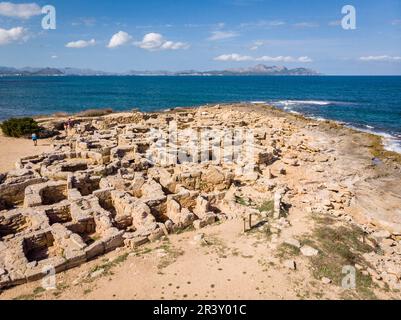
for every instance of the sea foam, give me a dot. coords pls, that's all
(303, 102)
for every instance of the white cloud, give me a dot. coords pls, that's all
(275, 23)
(87, 22)
(237, 57)
(12, 35)
(257, 44)
(23, 10)
(263, 24)
(305, 59)
(119, 39)
(155, 42)
(335, 23)
(306, 25)
(284, 59)
(385, 58)
(396, 22)
(54, 57)
(221, 35)
(81, 44)
(233, 57)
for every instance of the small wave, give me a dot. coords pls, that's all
(376, 132)
(317, 118)
(390, 142)
(392, 145)
(258, 102)
(303, 102)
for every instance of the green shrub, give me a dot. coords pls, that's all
(267, 206)
(19, 127)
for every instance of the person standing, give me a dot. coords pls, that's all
(35, 139)
(69, 124)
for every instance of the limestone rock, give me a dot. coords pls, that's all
(326, 280)
(309, 251)
(97, 273)
(380, 235)
(293, 242)
(290, 264)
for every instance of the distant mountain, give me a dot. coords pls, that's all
(47, 72)
(258, 70)
(8, 71)
(5, 71)
(261, 69)
(83, 72)
(28, 71)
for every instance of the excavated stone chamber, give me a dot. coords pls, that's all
(99, 190)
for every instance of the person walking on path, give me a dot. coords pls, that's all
(35, 139)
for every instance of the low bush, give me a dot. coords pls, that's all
(19, 127)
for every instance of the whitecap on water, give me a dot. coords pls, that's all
(303, 102)
(390, 142)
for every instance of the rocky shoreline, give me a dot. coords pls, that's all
(123, 180)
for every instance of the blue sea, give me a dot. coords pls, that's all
(368, 103)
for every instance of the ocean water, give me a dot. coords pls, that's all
(368, 103)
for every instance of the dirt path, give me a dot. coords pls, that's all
(12, 149)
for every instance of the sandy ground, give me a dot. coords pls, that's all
(226, 265)
(12, 149)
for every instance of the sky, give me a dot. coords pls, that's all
(118, 36)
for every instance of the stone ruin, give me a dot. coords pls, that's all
(114, 184)
(100, 190)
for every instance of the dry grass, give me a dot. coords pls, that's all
(107, 266)
(94, 113)
(340, 246)
(60, 115)
(171, 256)
(378, 151)
(267, 206)
(287, 251)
